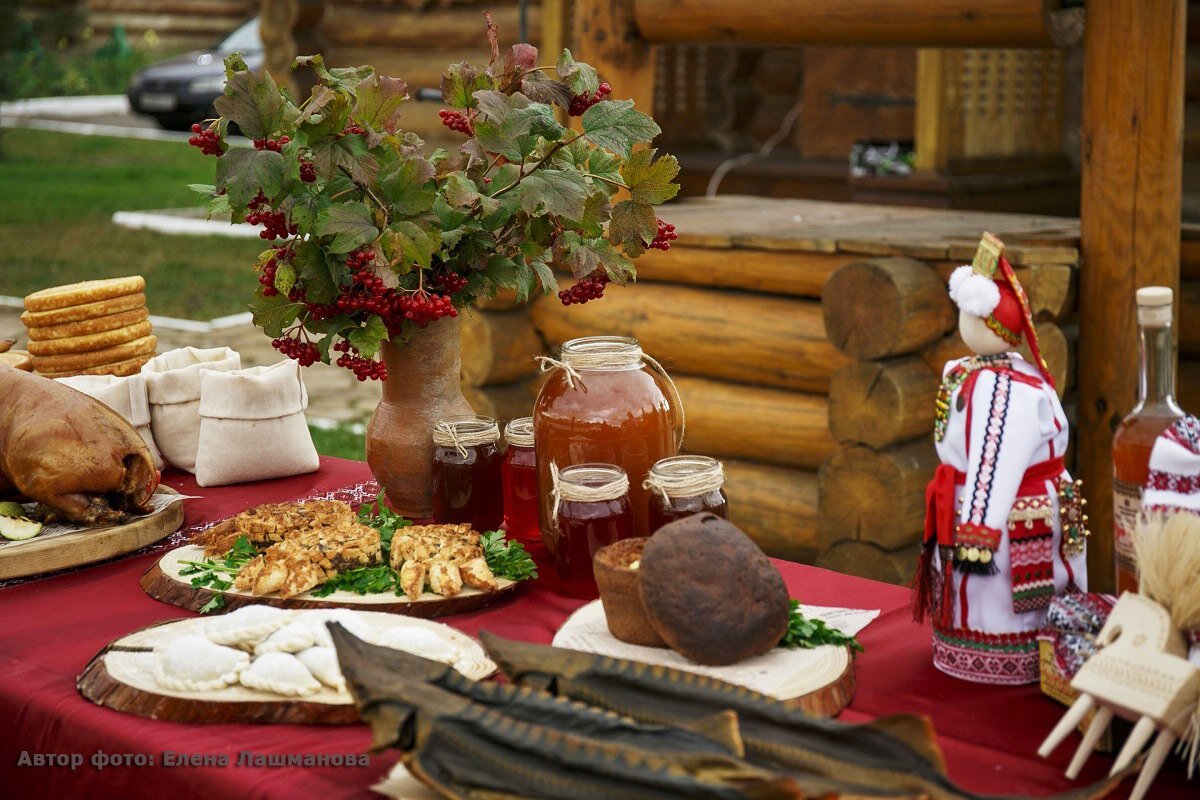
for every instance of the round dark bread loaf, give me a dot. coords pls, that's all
(710, 592)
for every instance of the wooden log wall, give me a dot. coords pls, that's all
(500, 346)
(176, 24)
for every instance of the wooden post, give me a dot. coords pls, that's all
(289, 29)
(1132, 136)
(607, 37)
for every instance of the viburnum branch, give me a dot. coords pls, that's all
(521, 175)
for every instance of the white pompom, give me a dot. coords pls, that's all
(973, 293)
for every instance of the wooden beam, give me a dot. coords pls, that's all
(289, 29)
(1132, 139)
(607, 37)
(932, 23)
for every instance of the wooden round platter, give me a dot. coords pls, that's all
(819, 681)
(164, 582)
(120, 677)
(43, 553)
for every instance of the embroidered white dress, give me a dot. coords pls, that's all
(1005, 435)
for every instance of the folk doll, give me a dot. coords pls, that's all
(1004, 524)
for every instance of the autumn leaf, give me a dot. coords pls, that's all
(378, 102)
(618, 126)
(632, 226)
(649, 181)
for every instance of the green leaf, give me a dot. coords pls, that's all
(406, 184)
(541, 88)
(206, 189)
(604, 164)
(329, 120)
(580, 77)
(243, 172)
(632, 226)
(219, 207)
(406, 243)
(649, 181)
(349, 224)
(553, 191)
(304, 210)
(378, 102)
(617, 126)
(285, 277)
(460, 83)
(526, 281)
(349, 153)
(597, 210)
(545, 274)
(367, 339)
(273, 314)
(255, 103)
(342, 79)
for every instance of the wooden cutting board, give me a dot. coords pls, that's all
(121, 677)
(164, 582)
(40, 555)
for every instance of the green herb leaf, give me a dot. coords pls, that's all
(215, 604)
(617, 126)
(507, 558)
(809, 633)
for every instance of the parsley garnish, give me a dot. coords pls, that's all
(507, 558)
(218, 575)
(808, 633)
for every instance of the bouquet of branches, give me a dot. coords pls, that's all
(374, 237)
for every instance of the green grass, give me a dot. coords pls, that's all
(344, 441)
(59, 192)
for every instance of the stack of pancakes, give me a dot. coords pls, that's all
(90, 328)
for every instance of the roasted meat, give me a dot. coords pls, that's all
(81, 461)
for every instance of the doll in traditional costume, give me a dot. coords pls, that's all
(1004, 528)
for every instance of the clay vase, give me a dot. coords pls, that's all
(422, 387)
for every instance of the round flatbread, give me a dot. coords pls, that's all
(92, 341)
(74, 294)
(17, 359)
(83, 327)
(102, 308)
(75, 362)
(120, 369)
(710, 592)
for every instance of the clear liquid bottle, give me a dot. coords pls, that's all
(1155, 411)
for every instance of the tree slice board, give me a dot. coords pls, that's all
(120, 677)
(164, 582)
(819, 681)
(40, 555)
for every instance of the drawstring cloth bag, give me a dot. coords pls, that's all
(252, 425)
(124, 395)
(173, 388)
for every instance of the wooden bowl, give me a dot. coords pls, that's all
(621, 595)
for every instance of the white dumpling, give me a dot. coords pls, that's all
(281, 673)
(322, 662)
(418, 641)
(247, 626)
(350, 620)
(291, 638)
(195, 664)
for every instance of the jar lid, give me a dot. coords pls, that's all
(519, 432)
(685, 476)
(465, 431)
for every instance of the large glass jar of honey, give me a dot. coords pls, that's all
(590, 510)
(681, 486)
(604, 401)
(467, 485)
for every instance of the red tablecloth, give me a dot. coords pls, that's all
(50, 628)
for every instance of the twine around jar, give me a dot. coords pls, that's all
(630, 353)
(577, 492)
(685, 476)
(447, 432)
(519, 432)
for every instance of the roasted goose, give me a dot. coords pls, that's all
(81, 461)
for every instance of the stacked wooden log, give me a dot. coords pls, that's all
(893, 315)
(175, 24)
(499, 351)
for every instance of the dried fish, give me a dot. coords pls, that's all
(896, 754)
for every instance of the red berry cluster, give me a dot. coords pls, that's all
(457, 121)
(206, 139)
(304, 352)
(267, 278)
(451, 282)
(666, 234)
(308, 173)
(589, 287)
(274, 145)
(423, 308)
(363, 368)
(353, 129)
(582, 102)
(275, 224)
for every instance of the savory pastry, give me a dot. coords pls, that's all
(89, 341)
(83, 327)
(281, 673)
(732, 604)
(423, 542)
(477, 574)
(444, 577)
(309, 558)
(267, 524)
(412, 578)
(442, 557)
(246, 626)
(84, 311)
(196, 664)
(322, 662)
(291, 638)
(120, 369)
(80, 460)
(418, 641)
(69, 362)
(83, 292)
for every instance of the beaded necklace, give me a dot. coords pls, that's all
(953, 380)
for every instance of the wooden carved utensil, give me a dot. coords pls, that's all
(1140, 673)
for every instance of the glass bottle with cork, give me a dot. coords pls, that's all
(1155, 410)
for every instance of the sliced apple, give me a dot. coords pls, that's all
(18, 529)
(10, 509)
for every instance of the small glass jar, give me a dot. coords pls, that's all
(521, 482)
(681, 486)
(467, 483)
(591, 510)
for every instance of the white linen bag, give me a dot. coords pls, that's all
(252, 425)
(124, 395)
(173, 388)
